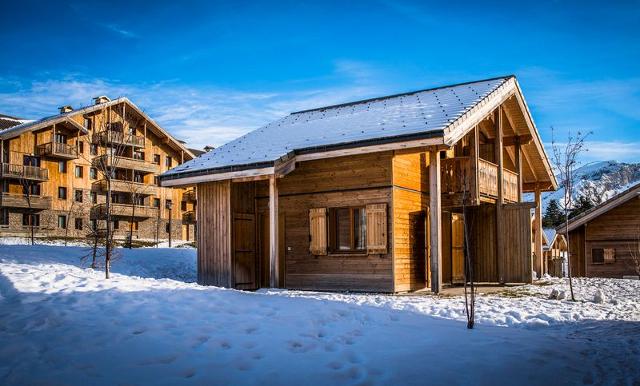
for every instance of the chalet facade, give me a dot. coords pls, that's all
(371, 195)
(605, 240)
(554, 253)
(53, 176)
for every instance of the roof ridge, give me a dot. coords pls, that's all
(400, 94)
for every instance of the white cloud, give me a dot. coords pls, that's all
(204, 115)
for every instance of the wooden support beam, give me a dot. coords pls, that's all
(474, 184)
(518, 164)
(435, 221)
(537, 225)
(274, 278)
(499, 158)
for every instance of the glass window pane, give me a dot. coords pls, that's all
(343, 229)
(359, 228)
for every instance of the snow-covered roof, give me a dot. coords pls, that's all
(395, 118)
(604, 207)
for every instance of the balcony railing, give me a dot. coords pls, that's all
(457, 177)
(57, 150)
(35, 173)
(138, 188)
(125, 210)
(13, 200)
(189, 195)
(125, 163)
(189, 217)
(120, 138)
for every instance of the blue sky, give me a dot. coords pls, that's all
(211, 71)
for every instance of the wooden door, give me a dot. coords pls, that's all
(244, 251)
(457, 248)
(264, 250)
(517, 243)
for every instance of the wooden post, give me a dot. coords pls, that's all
(274, 278)
(475, 155)
(435, 228)
(498, 151)
(537, 224)
(518, 156)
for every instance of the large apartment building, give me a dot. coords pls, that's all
(54, 174)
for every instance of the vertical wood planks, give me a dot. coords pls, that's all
(435, 221)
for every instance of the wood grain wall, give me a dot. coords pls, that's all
(214, 234)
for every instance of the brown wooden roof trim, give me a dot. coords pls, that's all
(10, 133)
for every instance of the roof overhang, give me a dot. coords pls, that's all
(16, 131)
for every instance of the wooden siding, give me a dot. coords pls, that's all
(619, 228)
(410, 220)
(214, 234)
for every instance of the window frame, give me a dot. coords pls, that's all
(64, 221)
(60, 190)
(333, 234)
(78, 171)
(601, 254)
(77, 223)
(76, 196)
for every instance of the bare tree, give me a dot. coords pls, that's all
(469, 290)
(565, 162)
(28, 187)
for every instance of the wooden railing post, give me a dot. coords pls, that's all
(498, 151)
(474, 183)
(518, 156)
(435, 226)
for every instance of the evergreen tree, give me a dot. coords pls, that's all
(553, 216)
(582, 205)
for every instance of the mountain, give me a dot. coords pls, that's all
(599, 181)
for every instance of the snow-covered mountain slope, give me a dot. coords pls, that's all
(599, 181)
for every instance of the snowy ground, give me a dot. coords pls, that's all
(62, 323)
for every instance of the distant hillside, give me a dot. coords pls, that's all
(599, 181)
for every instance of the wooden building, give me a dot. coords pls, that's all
(369, 195)
(605, 240)
(554, 253)
(51, 174)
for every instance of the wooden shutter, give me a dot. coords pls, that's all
(318, 231)
(377, 228)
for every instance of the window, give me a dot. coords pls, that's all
(78, 195)
(597, 256)
(62, 222)
(183, 206)
(116, 224)
(79, 171)
(93, 173)
(167, 162)
(80, 147)
(156, 203)
(31, 189)
(347, 229)
(156, 180)
(87, 123)
(94, 224)
(139, 200)
(31, 219)
(156, 159)
(93, 149)
(62, 193)
(78, 224)
(138, 177)
(139, 155)
(134, 225)
(94, 197)
(62, 166)
(4, 216)
(168, 204)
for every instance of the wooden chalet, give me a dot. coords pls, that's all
(554, 253)
(369, 195)
(605, 240)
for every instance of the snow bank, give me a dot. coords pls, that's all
(63, 323)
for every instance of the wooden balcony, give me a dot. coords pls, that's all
(125, 163)
(189, 217)
(189, 195)
(13, 200)
(124, 210)
(34, 173)
(120, 138)
(127, 187)
(457, 178)
(57, 150)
